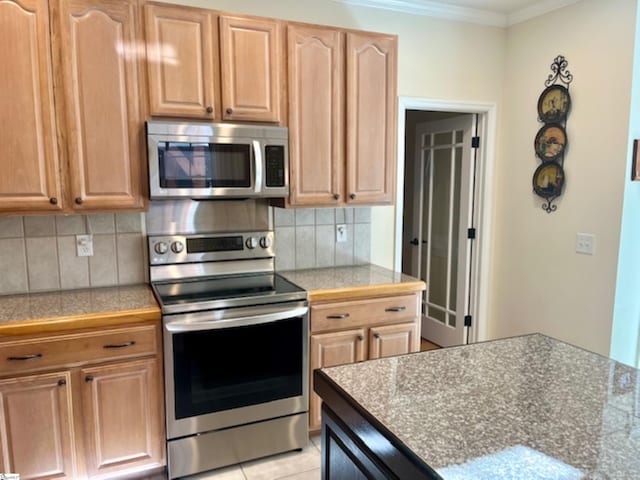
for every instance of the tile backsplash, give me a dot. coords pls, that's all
(38, 253)
(306, 238)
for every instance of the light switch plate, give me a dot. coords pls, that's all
(341, 233)
(586, 243)
(84, 245)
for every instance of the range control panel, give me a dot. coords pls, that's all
(176, 249)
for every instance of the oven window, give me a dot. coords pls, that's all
(217, 370)
(204, 165)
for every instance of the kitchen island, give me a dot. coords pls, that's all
(528, 407)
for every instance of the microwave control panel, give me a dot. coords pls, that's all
(274, 164)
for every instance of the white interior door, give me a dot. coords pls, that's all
(440, 252)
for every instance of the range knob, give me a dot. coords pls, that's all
(265, 242)
(161, 248)
(252, 242)
(177, 247)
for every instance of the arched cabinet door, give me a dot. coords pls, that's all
(98, 46)
(29, 162)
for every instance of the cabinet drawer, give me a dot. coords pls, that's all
(40, 353)
(357, 313)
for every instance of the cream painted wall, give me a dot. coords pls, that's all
(437, 59)
(538, 282)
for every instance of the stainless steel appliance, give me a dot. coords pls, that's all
(213, 160)
(235, 348)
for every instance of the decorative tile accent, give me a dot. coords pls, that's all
(284, 217)
(103, 265)
(40, 226)
(325, 245)
(285, 243)
(306, 216)
(14, 266)
(305, 247)
(129, 222)
(74, 270)
(101, 223)
(131, 261)
(325, 216)
(42, 263)
(11, 227)
(71, 224)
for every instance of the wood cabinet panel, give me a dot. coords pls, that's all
(28, 152)
(371, 117)
(182, 61)
(389, 340)
(36, 427)
(316, 141)
(122, 416)
(97, 44)
(250, 71)
(328, 350)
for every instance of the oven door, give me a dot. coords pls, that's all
(232, 367)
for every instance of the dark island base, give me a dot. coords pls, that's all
(356, 446)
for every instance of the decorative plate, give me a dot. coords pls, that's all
(550, 142)
(554, 104)
(548, 180)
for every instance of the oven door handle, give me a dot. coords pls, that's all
(193, 326)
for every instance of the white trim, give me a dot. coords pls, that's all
(437, 9)
(484, 205)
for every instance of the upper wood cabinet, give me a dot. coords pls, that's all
(29, 159)
(342, 116)
(182, 61)
(250, 59)
(97, 45)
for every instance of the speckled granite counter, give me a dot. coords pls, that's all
(522, 408)
(54, 311)
(352, 282)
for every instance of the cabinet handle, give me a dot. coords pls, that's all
(395, 309)
(336, 196)
(360, 338)
(119, 345)
(88, 378)
(229, 111)
(62, 382)
(338, 317)
(376, 335)
(53, 201)
(352, 196)
(26, 357)
(78, 200)
(209, 109)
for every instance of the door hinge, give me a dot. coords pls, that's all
(467, 320)
(475, 142)
(471, 233)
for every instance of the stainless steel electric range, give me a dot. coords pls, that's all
(235, 349)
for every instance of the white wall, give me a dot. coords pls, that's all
(538, 281)
(437, 59)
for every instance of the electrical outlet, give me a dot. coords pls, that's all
(84, 245)
(586, 243)
(341, 233)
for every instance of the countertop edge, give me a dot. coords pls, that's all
(353, 292)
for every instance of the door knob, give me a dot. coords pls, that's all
(414, 242)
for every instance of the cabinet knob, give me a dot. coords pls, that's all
(352, 196)
(78, 200)
(376, 335)
(62, 382)
(53, 201)
(336, 196)
(88, 378)
(360, 338)
(229, 111)
(209, 109)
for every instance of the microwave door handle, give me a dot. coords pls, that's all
(257, 158)
(187, 326)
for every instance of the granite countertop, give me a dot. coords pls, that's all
(352, 281)
(52, 311)
(517, 408)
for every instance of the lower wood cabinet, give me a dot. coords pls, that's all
(352, 331)
(86, 418)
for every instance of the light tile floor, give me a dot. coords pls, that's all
(304, 465)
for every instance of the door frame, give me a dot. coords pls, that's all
(483, 197)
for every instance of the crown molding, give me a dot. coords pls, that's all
(436, 9)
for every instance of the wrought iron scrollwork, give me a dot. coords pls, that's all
(559, 72)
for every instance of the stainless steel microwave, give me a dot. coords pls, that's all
(217, 160)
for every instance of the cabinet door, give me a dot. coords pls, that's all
(371, 114)
(389, 340)
(182, 52)
(122, 413)
(97, 41)
(28, 154)
(250, 76)
(316, 140)
(328, 350)
(36, 427)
